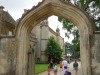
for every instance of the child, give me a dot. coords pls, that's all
(55, 69)
(48, 70)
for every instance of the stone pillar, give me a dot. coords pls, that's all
(34, 57)
(30, 63)
(85, 53)
(22, 60)
(96, 55)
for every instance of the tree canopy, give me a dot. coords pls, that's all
(92, 7)
(53, 49)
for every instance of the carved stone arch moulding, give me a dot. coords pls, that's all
(42, 11)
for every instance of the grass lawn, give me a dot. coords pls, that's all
(41, 68)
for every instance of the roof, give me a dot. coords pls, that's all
(8, 18)
(52, 31)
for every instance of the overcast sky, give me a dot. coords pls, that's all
(16, 8)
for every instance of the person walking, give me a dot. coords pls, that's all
(51, 63)
(64, 65)
(75, 66)
(48, 70)
(55, 69)
(61, 65)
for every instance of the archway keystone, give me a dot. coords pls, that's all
(48, 8)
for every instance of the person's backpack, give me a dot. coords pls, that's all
(65, 67)
(75, 65)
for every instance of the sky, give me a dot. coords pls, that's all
(16, 9)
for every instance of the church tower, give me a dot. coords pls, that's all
(43, 38)
(58, 34)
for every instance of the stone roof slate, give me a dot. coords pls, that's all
(8, 18)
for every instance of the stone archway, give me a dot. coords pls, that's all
(44, 10)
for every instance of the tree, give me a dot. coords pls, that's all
(92, 7)
(72, 49)
(72, 29)
(53, 49)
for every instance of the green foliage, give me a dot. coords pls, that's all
(73, 49)
(53, 48)
(76, 47)
(92, 7)
(66, 24)
(72, 29)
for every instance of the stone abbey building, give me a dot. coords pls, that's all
(38, 36)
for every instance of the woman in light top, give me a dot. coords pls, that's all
(64, 65)
(55, 69)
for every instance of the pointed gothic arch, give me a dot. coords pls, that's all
(44, 10)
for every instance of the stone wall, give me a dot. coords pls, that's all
(7, 56)
(96, 55)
